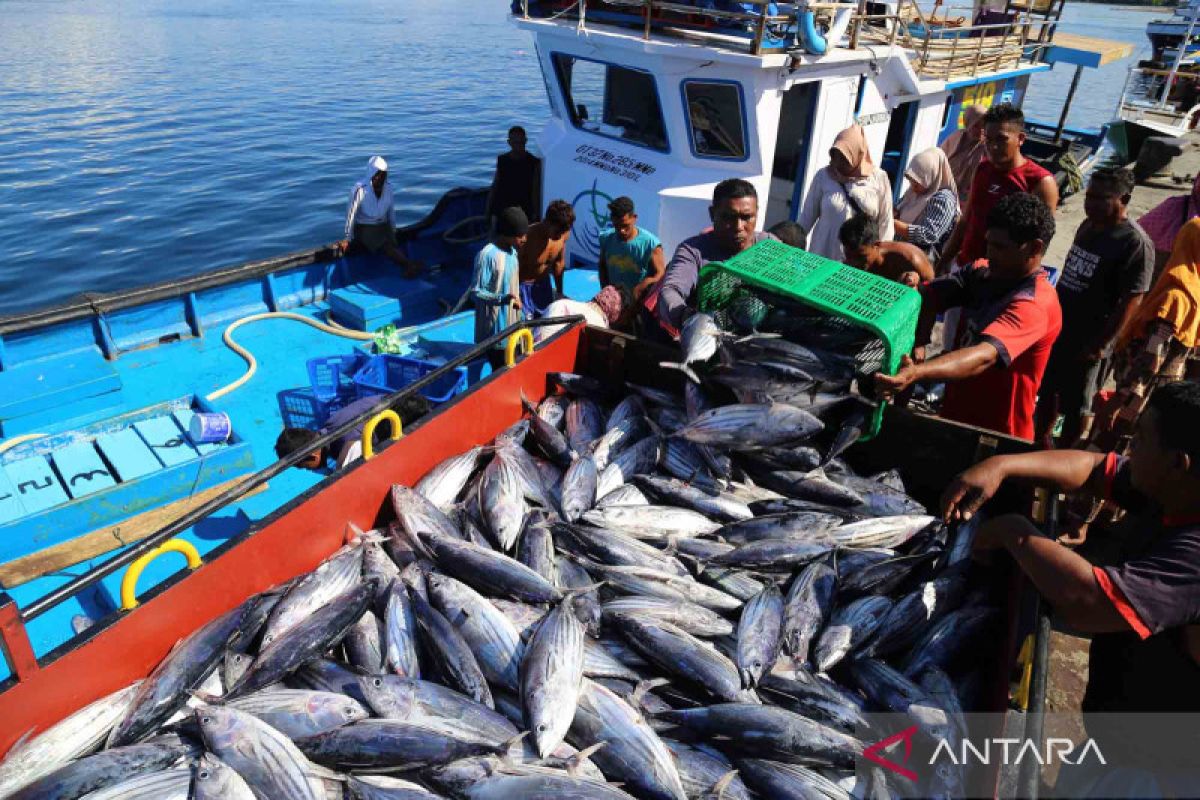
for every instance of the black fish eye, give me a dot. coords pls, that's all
(205, 720)
(377, 681)
(204, 774)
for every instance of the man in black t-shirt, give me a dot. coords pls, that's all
(1143, 612)
(1108, 269)
(518, 180)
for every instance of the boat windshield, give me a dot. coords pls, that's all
(612, 100)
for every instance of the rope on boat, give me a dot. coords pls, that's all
(252, 362)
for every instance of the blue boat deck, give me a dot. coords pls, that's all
(279, 392)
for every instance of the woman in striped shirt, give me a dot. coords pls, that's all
(926, 214)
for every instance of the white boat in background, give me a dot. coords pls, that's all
(1166, 35)
(1161, 96)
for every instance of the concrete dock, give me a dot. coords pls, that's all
(1175, 180)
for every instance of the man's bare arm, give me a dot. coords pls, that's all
(1047, 191)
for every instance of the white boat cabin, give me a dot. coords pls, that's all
(661, 101)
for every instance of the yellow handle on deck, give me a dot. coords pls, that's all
(510, 350)
(1025, 659)
(129, 580)
(368, 446)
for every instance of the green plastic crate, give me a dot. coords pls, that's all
(780, 276)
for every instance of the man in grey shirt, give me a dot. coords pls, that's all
(734, 212)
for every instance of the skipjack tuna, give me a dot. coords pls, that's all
(555, 614)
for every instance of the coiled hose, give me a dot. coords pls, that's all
(252, 362)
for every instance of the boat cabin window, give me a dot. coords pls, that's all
(715, 119)
(612, 100)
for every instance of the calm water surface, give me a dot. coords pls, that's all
(153, 139)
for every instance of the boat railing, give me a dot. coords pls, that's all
(8, 612)
(1151, 86)
(953, 46)
(757, 31)
(946, 45)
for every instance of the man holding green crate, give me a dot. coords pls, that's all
(1010, 320)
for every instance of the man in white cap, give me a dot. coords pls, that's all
(371, 218)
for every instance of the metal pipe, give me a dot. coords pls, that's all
(1179, 57)
(1062, 120)
(69, 590)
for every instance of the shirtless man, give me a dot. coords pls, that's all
(543, 257)
(899, 261)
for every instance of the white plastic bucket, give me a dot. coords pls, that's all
(206, 428)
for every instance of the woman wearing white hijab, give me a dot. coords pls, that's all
(371, 218)
(926, 213)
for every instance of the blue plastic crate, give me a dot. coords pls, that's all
(333, 376)
(332, 381)
(388, 373)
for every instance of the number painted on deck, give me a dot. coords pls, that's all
(88, 476)
(35, 484)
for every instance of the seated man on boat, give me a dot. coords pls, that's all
(543, 258)
(517, 181)
(734, 214)
(1010, 319)
(1142, 608)
(371, 219)
(631, 257)
(608, 309)
(347, 448)
(897, 261)
(494, 285)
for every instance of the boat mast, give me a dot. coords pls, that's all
(1183, 46)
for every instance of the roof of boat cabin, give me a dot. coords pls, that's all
(1086, 51)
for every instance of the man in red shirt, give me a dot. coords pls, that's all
(1005, 171)
(1010, 319)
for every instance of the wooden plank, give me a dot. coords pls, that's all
(184, 417)
(166, 440)
(128, 454)
(11, 507)
(104, 540)
(82, 470)
(36, 483)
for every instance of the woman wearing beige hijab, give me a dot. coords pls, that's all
(964, 149)
(849, 186)
(926, 213)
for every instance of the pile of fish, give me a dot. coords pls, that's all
(653, 596)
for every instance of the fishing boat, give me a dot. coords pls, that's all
(1167, 35)
(653, 100)
(1161, 96)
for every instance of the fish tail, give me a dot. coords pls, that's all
(575, 762)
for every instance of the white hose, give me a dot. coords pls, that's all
(253, 362)
(8, 444)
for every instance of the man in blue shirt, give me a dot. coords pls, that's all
(494, 286)
(630, 257)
